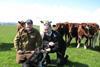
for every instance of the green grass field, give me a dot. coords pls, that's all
(77, 57)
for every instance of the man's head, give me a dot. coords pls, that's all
(29, 24)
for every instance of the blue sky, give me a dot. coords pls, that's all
(12, 10)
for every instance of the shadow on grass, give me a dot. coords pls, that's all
(69, 64)
(75, 64)
(6, 46)
(75, 45)
(97, 48)
(52, 64)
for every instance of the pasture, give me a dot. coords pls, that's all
(77, 57)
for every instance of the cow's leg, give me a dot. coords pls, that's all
(90, 42)
(78, 45)
(78, 41)
(93, 42)
(86, 43)
(69, 40)
(85, 47)
(94, 39)
(65, 37)
(99, 38)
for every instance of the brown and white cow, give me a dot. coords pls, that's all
(20, 25)
(93, 33)
(82, 33)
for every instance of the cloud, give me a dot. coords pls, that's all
(39, 12)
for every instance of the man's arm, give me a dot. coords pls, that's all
(16, 41)
(39, 40)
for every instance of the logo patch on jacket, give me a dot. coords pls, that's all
(54, 35)
(32, 36)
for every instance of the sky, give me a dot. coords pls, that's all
(53, 10)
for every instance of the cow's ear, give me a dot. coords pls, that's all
(50, 21)
(41, 21)
(19, 22)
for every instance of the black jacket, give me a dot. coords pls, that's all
(57, 39)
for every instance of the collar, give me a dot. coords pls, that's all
(48, 33)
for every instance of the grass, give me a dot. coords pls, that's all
(77, 57)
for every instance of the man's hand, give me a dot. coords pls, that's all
(51, 43)
(32, 52)
(20, 51)
(48, 49)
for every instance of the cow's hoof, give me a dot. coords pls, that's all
(85, 47)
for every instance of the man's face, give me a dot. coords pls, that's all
(29, 26)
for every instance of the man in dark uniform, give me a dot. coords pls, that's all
(55, 42)
(26, 41)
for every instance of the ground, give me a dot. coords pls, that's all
(77, 57)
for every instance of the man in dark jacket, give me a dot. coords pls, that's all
(55, 42)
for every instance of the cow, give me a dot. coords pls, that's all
(82, 33)
(72, 32)
(42, 28)
(79, 31)
(69, 30)
(61, 28)
(20, 25)
(99, 36)
(94, 33)
(88, 31)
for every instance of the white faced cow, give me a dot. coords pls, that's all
(45, 27)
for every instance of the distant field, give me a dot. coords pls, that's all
(77, 57)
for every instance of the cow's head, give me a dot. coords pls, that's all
(46, 25)
(20, 25)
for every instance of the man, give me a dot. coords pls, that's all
(26, 41)
(55, 42)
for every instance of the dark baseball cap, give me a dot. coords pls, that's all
(29, 21)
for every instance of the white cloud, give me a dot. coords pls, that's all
(40, 12)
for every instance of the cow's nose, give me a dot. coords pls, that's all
(46, 27)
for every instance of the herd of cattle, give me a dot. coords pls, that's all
(89, 31)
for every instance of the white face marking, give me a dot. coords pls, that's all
(46, 26)
(87, 27)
